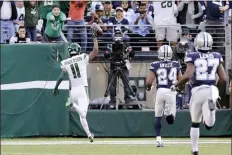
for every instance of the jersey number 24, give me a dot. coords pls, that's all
(164, 76)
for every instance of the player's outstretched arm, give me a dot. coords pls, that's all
(149, 80)
(59, 80)
(95, 48)
(187, 75)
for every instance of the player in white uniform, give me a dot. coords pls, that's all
(165, 22)
(75, 67)
(202, 68)
(21, 14)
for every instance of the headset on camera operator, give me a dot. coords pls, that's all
(184, 46)
(119, 53)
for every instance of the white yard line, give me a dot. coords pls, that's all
(138, 142)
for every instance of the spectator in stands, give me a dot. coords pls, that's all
(165, 22)
(118, 19)
(116, 4)
(108, 10)
(150, 8)
(94, 3)
(55, 22)
(31, 18)
(44, 8)
(190, 15)
(20, 36)
(141, 31)
(8, 15)
(76, 22)
(214, 23)
(128, 13)
(97, 17)
(21, 14)
(215, 12)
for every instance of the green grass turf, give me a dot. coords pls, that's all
(113, 149)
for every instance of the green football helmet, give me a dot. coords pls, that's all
(74, 49)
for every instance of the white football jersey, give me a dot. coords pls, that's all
(76, 67)
(21, 14)
(164, 10)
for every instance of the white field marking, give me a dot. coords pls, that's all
(35, 85)
(139, 142)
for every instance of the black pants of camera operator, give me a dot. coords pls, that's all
(114, 86)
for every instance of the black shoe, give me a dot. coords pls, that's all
(195, 153)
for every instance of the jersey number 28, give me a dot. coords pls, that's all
(75, 70)
(164, 76)
(202, 69)
(166, 4)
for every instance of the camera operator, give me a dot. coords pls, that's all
(184, 46)
(119, 53)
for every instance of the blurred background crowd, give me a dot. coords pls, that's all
(142, 22)
(32, 21)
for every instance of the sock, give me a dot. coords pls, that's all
(85, 125)
(211, 119)
(158, 138)
(194, 135)
(157, 126)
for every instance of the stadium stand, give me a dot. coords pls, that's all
(213, 17)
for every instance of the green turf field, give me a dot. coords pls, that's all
(112, 146)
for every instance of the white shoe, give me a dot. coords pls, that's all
(159, 144)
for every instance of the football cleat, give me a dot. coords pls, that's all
(195, 153)
(212, 105)
(68, 102)
(91, 137)
(159, 144)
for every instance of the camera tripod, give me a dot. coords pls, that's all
(120, 73)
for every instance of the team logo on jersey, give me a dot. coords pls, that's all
(33, 11)
(55, 25)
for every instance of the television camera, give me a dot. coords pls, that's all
(119, 53)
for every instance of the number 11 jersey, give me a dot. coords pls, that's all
(206, 66)
(76, 67)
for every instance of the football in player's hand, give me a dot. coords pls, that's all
(95, 27)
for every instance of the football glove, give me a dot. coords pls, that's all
(148, 88)
(55, 92)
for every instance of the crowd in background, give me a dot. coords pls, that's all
(55, 21)
(43, 21)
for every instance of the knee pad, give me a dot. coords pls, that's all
(170, 119)
(207, 127)
(195, 125)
